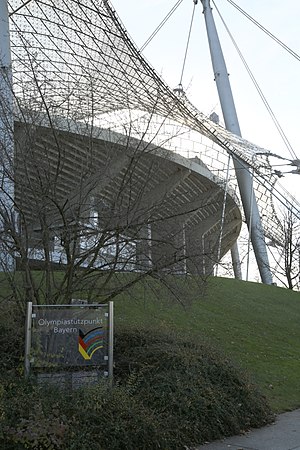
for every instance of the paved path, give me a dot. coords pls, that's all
(284, 434)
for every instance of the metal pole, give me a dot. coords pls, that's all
(7, 260)
(249, 239)
(235, 257)
(110, 341)
(243, 175)
(223, 216)
(28, 338)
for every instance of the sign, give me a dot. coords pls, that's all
(69, 336)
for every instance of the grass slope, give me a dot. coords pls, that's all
(255, 324)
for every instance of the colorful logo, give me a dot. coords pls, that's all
(90, 342)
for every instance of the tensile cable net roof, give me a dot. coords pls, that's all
(75, 59)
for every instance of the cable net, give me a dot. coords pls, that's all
(74, 59)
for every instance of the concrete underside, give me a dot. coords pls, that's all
(171, 207)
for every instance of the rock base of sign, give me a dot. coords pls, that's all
(71, 380)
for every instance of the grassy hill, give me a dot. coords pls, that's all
(175, 383)
(258, 326)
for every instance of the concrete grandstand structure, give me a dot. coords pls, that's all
(107, 156)
(167, 208)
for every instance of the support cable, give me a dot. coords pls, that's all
(162, 23)
(187, 44)
(258, 89)
(284, 46)
(20, 7)
(286, 199)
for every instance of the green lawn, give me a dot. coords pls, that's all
(256, 325)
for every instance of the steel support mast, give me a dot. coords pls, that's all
(7, 218)
(244, 177)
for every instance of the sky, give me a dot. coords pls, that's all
(275, 70)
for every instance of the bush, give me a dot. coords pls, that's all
(98, 418)
(199, 394)
(12, 332)
(169, 392)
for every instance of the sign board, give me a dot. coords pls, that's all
(69, 336)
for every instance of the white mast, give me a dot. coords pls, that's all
(244, 177)
(7, 261)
